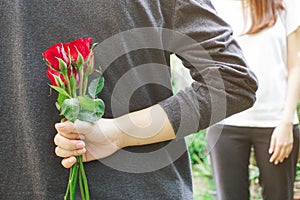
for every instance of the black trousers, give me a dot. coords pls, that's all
(230, 148)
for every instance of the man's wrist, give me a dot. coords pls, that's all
(123, 137)
(120, 139)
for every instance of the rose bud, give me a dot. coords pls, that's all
(53, 53)
(81, 45)
(54, 77)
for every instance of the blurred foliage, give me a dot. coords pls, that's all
(204, 187)
(255, 189)
(297, 182)
(197, 147)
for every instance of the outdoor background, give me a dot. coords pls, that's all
(204, 188)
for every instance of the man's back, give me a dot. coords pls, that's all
(30, 169)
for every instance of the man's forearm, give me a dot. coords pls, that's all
(147, 126)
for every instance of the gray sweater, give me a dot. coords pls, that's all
(136, 38)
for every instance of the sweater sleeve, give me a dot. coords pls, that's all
(223, 84)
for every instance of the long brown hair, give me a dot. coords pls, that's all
(262, 13)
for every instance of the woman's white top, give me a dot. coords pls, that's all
(266, 54)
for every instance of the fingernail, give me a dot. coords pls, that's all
(70, 160)
(270, 151)
(81, 151)
(276, 162)
(60, 125)
(80, 145)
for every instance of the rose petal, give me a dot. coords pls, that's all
(54, 52)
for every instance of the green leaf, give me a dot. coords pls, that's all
(90, 65)
(57, 106)
(96, 87)
(80, 60)
(70, 109)
(93, 46)
(89, 104)
(86, 103)
(59, 81)
(60, 99)
(62, 65)
(60, 90)
(88, 114)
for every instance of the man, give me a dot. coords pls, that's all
(140, 140)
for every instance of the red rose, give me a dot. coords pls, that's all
(81, 45)
(54, 52)
(51, 74)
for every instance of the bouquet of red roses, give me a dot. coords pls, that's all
(69, 67)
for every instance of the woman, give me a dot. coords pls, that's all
(268, 33)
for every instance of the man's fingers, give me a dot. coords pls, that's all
(68, 144)
(67, 129)
(67, 153)
(68, 162)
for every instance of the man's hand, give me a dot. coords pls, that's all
(91, 140)
(281, 143)
(106, 136)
